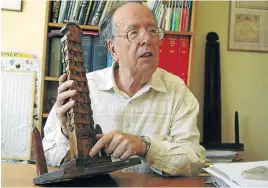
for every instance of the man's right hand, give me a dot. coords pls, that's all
(64, 102)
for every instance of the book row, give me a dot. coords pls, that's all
(173, 56)
(172, 15)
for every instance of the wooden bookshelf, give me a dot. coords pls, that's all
(48, 81)
(45, 115)
(83, 27)
(178, 33)
(50, 78)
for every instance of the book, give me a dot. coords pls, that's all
(172, 50)
(98, 12)
(55, 10)
(82, 14)
(162, 53)
(55, 58)
(87, 43)
(99, 54)
(63, 9)
(183, 57)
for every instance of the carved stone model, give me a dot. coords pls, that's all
(80, 123)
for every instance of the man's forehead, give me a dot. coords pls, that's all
(133, 15)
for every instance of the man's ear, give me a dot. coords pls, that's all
(111, 47)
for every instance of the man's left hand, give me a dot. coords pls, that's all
(120, 145)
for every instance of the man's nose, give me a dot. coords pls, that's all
(145, 38)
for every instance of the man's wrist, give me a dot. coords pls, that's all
(147, 142)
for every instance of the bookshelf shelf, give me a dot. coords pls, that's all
(45, 115)
(83, 27)
(178, 33)
(50, 78)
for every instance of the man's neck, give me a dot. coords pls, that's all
(127, 82)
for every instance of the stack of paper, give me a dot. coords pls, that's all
(231, 174)
(215, 156)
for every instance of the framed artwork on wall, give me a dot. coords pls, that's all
(13, 5)
(248, 26)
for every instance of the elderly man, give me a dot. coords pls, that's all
(143, 110)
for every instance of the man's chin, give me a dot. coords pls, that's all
(147, 72)
(150, 63)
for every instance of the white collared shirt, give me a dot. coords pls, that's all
(164, 110)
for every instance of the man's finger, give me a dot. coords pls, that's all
(126, 155)
(112, 146)
(119, 150)
(61, 111)
(65, 86)
(62, 78)
(99, 136)
(66, 95)
(106, 139)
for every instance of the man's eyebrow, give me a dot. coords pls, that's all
(134, 26)
(152, 25)
(131, 27)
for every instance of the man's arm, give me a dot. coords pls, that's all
(55, 143)
(180, 152)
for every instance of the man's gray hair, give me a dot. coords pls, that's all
(107, 29)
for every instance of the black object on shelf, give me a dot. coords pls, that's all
(212, 92)
(223, 146)
(237, 146)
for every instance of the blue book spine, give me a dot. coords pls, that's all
(189, 3)
(87, 43)
(99, 54)
(109, 59)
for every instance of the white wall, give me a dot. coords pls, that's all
(24, 31)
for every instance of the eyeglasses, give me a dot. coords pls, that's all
(136, 35)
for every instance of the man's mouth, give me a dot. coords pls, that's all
(146, 54)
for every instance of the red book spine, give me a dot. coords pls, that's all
(172, 50)
(183, 57)
(162, 53)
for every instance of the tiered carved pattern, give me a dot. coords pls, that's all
(80, 122)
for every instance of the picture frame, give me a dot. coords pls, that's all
(11, 5)
(247, 29)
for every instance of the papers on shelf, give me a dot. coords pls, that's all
(218, 156)
(230, 173)
(216, 153)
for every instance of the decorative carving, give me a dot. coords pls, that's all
(80, 121)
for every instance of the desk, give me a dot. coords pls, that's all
(21, 175)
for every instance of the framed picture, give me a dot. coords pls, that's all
(14, 5)
(248, 29)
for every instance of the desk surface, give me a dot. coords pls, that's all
(22, 175)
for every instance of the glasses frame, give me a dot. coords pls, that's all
(161, 33)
